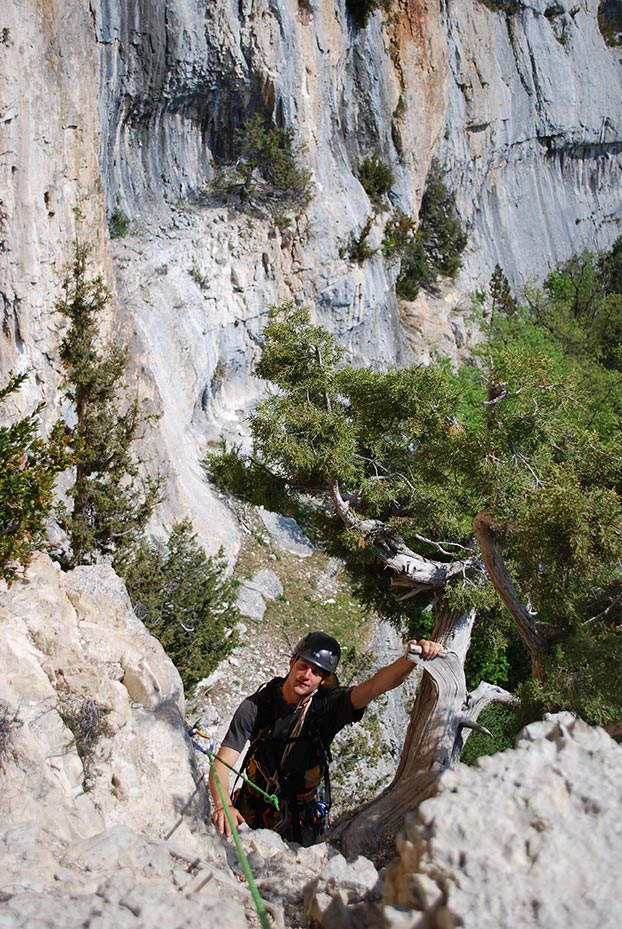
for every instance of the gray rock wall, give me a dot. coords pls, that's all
(122, 104)
(529, 837)
(533, 133)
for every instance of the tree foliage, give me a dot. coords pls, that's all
(431, 249)
(29, 465)
(401, 240)
(443, 237)
(523, 442)
(501, 297)
(376, 178)
(185, 599)
(269, 167)
(109, 503)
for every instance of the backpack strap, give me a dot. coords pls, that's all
(264, 724)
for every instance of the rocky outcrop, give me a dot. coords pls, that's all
(527, 838)
(79, 666)
(104, 813)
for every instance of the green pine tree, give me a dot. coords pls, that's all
(185, 599)
(501, 294)
(108, 504)
(443, 238)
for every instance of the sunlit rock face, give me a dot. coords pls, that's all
(125, 105)
(533, 133)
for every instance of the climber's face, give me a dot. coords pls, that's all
(303, 678)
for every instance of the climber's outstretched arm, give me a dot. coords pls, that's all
(392, 675)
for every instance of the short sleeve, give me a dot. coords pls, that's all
(241, 727)
(334, 711)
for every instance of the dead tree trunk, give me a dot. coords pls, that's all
(441, 713)
(488, 534)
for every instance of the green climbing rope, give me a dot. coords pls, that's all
(271, 798)
(246, 868)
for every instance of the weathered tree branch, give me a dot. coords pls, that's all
(487, 532)
(411, 569)
(428, 745)
(483, 695)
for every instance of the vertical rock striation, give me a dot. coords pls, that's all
(126, 104)
(534, 132)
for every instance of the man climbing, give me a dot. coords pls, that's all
(290, 723)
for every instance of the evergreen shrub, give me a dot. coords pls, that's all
(185, 599)
(118, 223)
(376, 178)
(443, 238)
(268, 169)
(108, 505)
(29, 465)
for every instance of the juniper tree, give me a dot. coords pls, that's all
(185, 599)
(109, 504)
(501, 480)
(29, 465)
(269, 168)
(444, 240)
(376, 178)
(501, 293)
(432, 249)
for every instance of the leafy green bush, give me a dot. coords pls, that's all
(509, 7)
(185, 599)
(501, 294)
(199, 277)
(118, 223)
(244, 476)
(358, 248)
(439, 224)
(400, 234)
(401, 240)
(376, 178)
(583, 675)
(432, 250)
(28, 469)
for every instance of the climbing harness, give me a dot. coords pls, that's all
(209, 751)
(246, 868)
(305, 800)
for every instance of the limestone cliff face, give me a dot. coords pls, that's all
(534, 129)
(126, 103)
